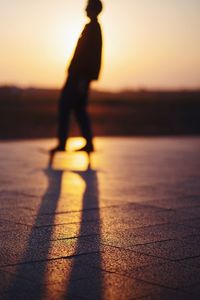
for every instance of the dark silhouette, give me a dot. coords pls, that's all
(84, 68)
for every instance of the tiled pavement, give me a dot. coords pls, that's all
(123, 225)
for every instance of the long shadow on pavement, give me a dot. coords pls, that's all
(91, 286)
(37, 251)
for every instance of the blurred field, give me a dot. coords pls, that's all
(32, 113)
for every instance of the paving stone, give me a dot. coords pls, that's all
(6, 226)
(8, 282)
(167, 294)
(171, 275)
(193, 291)
(66, 231)
(192, 262)
(174, 203)
(187, 213)
(172, 249)
(56, 272)
(110, 287)
(45, 250)
(140, 217)
(194, 223)
(117, 260)
(132, 236)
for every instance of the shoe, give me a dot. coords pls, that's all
(86, 148)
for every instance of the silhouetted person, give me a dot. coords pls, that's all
(84, 68)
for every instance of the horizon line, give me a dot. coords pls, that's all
(112, 91)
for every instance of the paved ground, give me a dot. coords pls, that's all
(123, 226)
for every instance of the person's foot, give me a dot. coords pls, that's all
(87, 148)
(56, 149)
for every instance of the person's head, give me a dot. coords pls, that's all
(93, 9)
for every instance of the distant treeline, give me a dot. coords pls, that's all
(32, 113)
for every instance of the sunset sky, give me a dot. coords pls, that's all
(147, 43)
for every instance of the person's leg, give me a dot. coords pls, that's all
(82, 116)
(84, 123)
(64, 111)
(63, 123)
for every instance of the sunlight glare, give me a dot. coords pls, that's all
(75, 143)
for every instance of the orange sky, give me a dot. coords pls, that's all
(152, 44)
